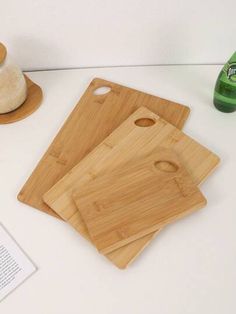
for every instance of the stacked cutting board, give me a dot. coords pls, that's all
(120, 169)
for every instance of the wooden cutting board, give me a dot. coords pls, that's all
(128, 141)
(93, 119)
(136, 199)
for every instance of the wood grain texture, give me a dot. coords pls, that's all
(128, 141)
(136, 199)
(31, 104)
(3, 53)
(92, 120)
(124, 256)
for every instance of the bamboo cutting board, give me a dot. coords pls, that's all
(136, 199)
(93, 119)
(130, 140)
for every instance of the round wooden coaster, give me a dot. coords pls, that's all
(31, 104)
(3, 53)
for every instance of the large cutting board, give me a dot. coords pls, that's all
(128, 141)
(93, 119)
(136, 199)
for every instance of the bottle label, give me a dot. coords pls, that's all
(230, 70)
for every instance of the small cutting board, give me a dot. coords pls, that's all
(136, 199)
(138, 136)
(92, 120)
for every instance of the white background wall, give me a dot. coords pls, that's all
(83, 33)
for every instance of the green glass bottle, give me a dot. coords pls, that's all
(225, 89)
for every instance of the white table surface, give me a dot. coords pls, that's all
(188, 269)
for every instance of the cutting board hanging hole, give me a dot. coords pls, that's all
(102, 90)
(145, 122)
(166, 166)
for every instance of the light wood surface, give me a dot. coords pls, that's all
(136, 199)
(92, 120)
(125, 255)
(3, 53)
(127, 142)
(31, 104)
